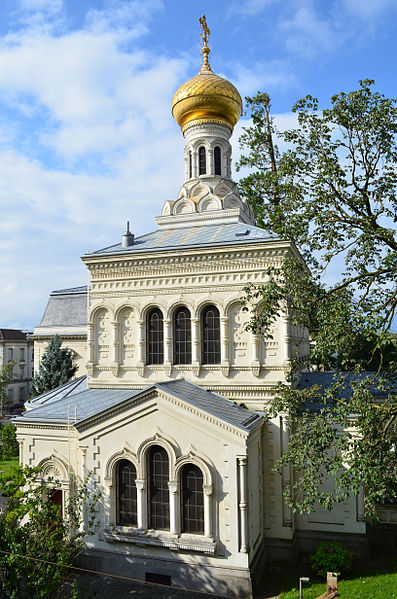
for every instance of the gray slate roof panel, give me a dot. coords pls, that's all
(86, 403)
(186, 237)
(67, 307)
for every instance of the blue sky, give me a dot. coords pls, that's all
(87, 139)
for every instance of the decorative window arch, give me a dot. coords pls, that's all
(158, 492)
(155, 337)
(182, 336)
(202, 160)
(126, 495)
(192, 499)
(211, 335)
(217, 161)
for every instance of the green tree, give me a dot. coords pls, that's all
(8, 441)
(332, 191)
(56, 368)
(39, 543)
(5, 378)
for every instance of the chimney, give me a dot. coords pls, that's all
(127, 239)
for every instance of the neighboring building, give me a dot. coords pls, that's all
(65, 315)
(16, 347)
(170, 419)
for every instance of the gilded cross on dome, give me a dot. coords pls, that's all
(204, 34)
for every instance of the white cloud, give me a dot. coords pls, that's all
(249, 7)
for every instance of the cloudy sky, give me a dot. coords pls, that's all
(87, 139)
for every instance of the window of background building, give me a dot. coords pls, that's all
(22, 372)
(21, 393)
(10, 354)
(10, 394)
(22, 353)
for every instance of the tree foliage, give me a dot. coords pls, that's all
(332, 190)
(39, 543)
(56, 368)
(8, 441)
(5, 378)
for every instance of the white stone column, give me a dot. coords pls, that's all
(174, 507)
(210, 161)
(225, 342)
(286, 327)
(242, 474)
(255, 362)
(208, 489)
(196, 358)
(141, 347)
(285, 473)
(90, 349)
(195, 163)
(115, 331)
(141, 503)
(167, 347)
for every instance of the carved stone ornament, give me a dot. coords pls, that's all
(256, 368)
(115, 369)
(51, 471)
(168, 368)
(226, 368)
(196, 368)
(141, 369)
(90, 368)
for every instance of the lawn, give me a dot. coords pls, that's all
(7, 466)
(358, 585)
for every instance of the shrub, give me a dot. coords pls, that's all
(331, 557)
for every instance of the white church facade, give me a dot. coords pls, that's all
(168, 416)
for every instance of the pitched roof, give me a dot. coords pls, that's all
(66, 307)
(191, 237)
(82, 403)
(12, 335)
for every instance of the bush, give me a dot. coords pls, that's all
(331, 557)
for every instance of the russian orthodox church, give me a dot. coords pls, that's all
(168, 415)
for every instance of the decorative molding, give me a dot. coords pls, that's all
(182, 542)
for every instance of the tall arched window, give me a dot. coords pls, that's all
(190, 165)
(202, 161)
(217, 161)
(159, 503)
(155, 337)
(126, 502)
(192, 499)
(211, 336)
(182, 337)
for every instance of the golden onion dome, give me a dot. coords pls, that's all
(206, 97)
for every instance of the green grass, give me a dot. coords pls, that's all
(359, 585)
(7, 466)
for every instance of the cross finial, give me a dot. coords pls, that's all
(205, 32)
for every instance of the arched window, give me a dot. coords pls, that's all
(126, 503)
(190, 165)
(211, 336)
(159, 503)
(192, 499)
(217, 161)
(182, 337)
(155, 337)
(202, 161)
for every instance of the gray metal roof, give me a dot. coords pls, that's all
(66, 307)
(89, 402)
(190, 237)
(71, 388)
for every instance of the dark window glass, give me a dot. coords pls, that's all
(192, 500)
(202, 161)
(211, 339)
(126, 503)
(182, 337)
(155, 337)
(159, 506)
(190, 166)
(217, 160)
